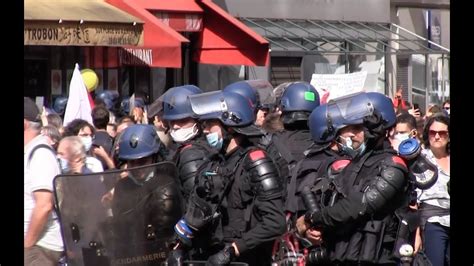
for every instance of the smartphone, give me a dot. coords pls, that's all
(416, 106)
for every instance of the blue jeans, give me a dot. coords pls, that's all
(436, 243)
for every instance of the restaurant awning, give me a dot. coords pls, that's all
(226, 40)
(324, 36)
(222, 39)
(79, 23)
(161, 46)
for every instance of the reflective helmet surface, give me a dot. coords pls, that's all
(245, 89)
(125, 105)
(230, 108)
(327, 119)
(384, 106)
(299, 96)
(109, 97)
(59, 105)
(265, 95)
(138, 141)
(176, 104)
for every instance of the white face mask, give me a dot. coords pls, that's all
(87, 141)
(184, 134)
(402, 136)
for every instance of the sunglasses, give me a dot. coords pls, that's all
(446, 108)
(441, 133)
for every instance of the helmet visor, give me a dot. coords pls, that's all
(352, 108)
(208, 103)
(266, 96)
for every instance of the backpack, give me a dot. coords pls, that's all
(35, 149)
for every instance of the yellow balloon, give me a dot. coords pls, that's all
(91, 80)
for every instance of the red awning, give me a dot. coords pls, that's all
(222, 38)
(225, 40)
(161, 44)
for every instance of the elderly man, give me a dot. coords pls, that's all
(43, 244)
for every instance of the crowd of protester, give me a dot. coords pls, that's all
(277, 144)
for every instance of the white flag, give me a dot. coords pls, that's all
(78, 105)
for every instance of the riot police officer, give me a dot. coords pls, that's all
(241, 199)
(59, 105)
(192, 151)
(260, 93)
(287, 146)
(361, 226)
(147, 202)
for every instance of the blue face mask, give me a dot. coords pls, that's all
(214, 141)
(349, 150)
(64, 165)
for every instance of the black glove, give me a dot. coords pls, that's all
(223, 257)
(175, 257)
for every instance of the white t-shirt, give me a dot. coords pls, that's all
(39, 174)
(437, 195)
(94, 164)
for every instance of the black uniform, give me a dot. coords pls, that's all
(286, 148)
(362, 226)
(189, 158)
(251, 213)
(313, 172)
(144, 214)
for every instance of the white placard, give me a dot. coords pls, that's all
(331, 86)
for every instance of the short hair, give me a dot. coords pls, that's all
(446, 102)
(52, 132)
(125, 118)
(73, 128)
(36, 126)
(100, 117)
(55, 120)
(407, 119)
(435, 109)
(74, 146)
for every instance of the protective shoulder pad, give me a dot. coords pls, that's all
(191, 158)
(264, 178)
(339, 165)
(397, 162)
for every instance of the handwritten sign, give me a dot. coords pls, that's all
(331, 86)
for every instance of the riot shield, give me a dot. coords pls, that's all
(132, 226)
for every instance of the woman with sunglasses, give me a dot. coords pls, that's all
(434, 202)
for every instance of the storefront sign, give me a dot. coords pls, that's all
(93, 34)
(136, 57)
